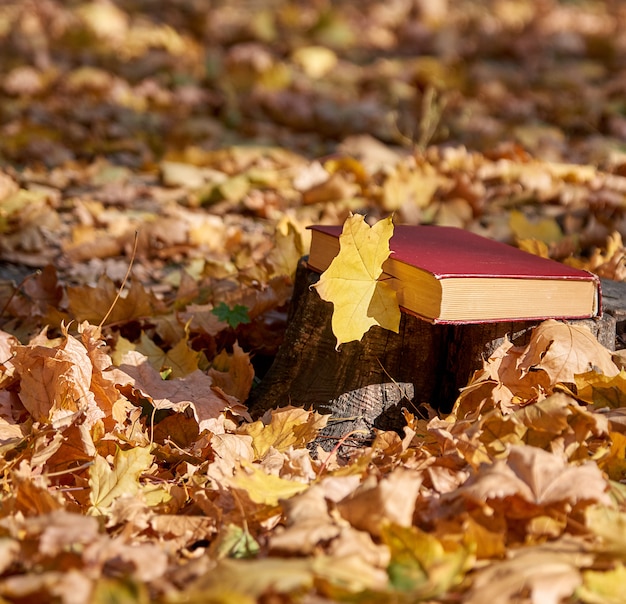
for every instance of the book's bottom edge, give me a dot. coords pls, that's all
(439, 321)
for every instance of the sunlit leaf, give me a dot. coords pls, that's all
(563, 350)
(108, 484)
(603, 587)
(265, 488)
(352, 284)
(288, 427)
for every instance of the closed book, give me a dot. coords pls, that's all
(450, 275)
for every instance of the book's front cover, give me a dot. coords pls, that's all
(453, 252)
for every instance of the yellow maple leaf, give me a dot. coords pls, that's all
(287, 427)
(108, 484)
(351, 282)
(263, 488)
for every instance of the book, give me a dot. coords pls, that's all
(450, 275)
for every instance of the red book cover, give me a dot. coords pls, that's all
(453, 252)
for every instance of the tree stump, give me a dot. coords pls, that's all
(364, 385)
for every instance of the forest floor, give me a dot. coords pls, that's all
(190, 144)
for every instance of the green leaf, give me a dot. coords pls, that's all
(421, 563)
(234, 316)
(236, 542)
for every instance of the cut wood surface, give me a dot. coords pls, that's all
(365, 384)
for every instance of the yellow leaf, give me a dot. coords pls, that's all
(603, 587)
(108, 484)
(315, 61)
(546, 230)
(288, 248)
(181, 359)
(351, 281)
(422, 564)
(416, 186)
(609, 524)
(265, 489)
(602, 390)
(122, 346)
(243, 581)
(288, 427)
(614, 464)
(484, 535)
(342, 575)
(534, 246)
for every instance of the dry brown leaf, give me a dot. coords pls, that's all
(183, 531)
(548, 573)
(563, 350)
(538, 478)
(376, 502)
(229, 451)
(336, 188)
(308, 523)
(195, 391)
(233, 373)
(56, 380)
(93, 303)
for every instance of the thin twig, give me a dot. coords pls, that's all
(121, 288)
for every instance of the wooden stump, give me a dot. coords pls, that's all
(365, 384)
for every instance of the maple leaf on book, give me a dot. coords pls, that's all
(449, 275)
(351, 280)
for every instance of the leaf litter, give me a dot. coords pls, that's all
(131, 469)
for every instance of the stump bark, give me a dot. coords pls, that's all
(365, 384)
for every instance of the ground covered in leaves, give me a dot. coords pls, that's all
(200, 139)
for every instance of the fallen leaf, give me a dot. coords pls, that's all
(601, 390)
(374, 503)
(195, 390)
(603, 587)
(56, 379)
(284, 428)
(308, 523)
(547, 574)
(546, 230)
(233, 373)
(563, 350)
(264, 488)
(422, 565)
(536, 477)
(179, 361)
(243, 581)
(108, 484)
(93, 303)
(609, 524)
